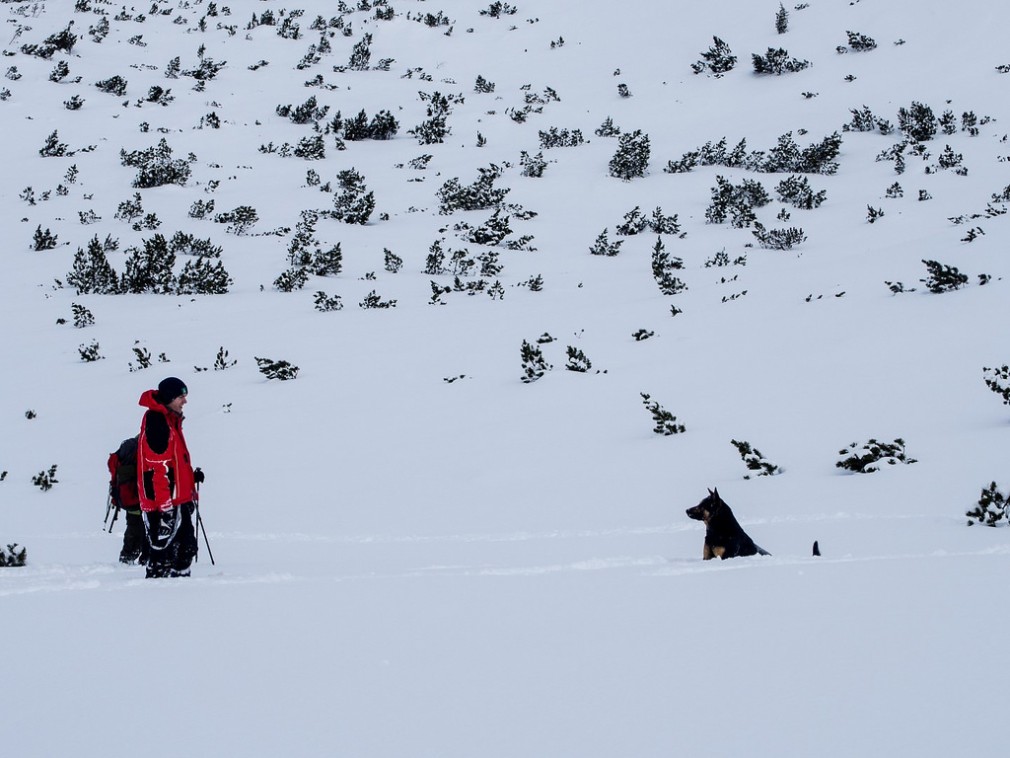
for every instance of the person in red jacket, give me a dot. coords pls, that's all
(166, 481)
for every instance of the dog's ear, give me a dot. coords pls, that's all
(716, 492)
(710, 492)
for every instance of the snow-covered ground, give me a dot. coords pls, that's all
(417, 553)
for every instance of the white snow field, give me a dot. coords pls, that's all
(417, 554)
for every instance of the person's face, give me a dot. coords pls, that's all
(176, 405)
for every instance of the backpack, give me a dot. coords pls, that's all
(123, 475)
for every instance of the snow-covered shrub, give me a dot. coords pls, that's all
(665, 422)
(239, 220)
(292, 279)
(272, 369)
(156, 167)
(434, 130)
(90, 353)
(391, 261)
(736, 202)
(325, 303)
(203, 276)
(532, 166)
(796, 191)
(754, 460)
(607, 128)
(942, 278)
(83, 317)
(354, 204)
(998, 380)
(10, 556)
(114, 85)
(632, 156)
(663, 266)
(372, 300)
(718, 59)
(492, 231)
(860, 43)
(555, 137)
(149, 268)
(778, 239)
(480, 195)
(603, 246)
(534, 364)
(866, 458)
(577, 360)
(917, 122)
(92, 273)
(45, 480)
(777, 61)
(54, 148)
(43, 239)
(782, 20)
(992, 507)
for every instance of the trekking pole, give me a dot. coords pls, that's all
(108, 507)
(199, 523)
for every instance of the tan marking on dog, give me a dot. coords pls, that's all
(717, 552)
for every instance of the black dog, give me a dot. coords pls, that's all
(724, 537)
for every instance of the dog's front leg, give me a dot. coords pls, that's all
(706, 553)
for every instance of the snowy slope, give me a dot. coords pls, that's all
(417, 553)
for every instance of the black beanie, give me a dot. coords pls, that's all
(169, 389)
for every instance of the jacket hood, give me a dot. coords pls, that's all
(150, 401)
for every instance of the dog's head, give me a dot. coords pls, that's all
(707, 508)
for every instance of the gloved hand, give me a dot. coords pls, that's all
(198, 476)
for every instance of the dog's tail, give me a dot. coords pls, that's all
(761, 550)
(817, 550)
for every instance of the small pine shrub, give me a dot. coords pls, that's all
(603, 246)
(534, 365)
(149, 268)
(480, 195)
(860, 42)
(754, 460)
(156, 167)
(917, 122)
(271, 369)
(11, 557)
(325, 303)
(942, 278)
(391, 261)
(115, 85)
(354, 204)
(662, 266)
(666, 423)
(796, 191)
(90, 353)
(372, 300)
(998, 380)
(82, 316)
(239, 220)
(294, 278)
(718, 59)
(777, 62)
(632, 157)
(778, 239)
(577, 360)
(435, 129)
(45, 480)
(43, 239)
(782, 20)
(866, 458)
(992, 507)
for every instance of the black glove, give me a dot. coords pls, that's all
(198, 476)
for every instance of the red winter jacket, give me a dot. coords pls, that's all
(164, 470)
